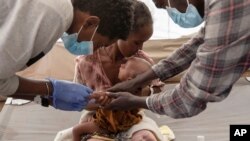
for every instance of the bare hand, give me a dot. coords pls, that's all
(126, 86)
(101, 98)
(125, 101)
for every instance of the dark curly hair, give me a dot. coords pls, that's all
(116, 16)
(142, 16)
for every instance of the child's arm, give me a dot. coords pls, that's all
(101, 98)
(149, 90)
(92, 106)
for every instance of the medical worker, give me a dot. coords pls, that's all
(29, 29)
(185, 13)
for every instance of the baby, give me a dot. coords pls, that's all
(106, 122)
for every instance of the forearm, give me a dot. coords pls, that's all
(28, 88)
(144, 78)
(179, 60)
(140, 102)
(217, 66)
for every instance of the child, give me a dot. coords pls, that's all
(111, 122)
(100, 70)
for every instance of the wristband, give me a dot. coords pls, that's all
(45, 102)
(41, 100)
(45, 99)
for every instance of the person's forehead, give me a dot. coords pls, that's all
(143, 34)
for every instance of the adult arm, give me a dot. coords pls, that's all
(29, 30)
(179, 61)
(26, 35)
(29, 88)
(219, 62)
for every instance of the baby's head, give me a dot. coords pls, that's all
(132, 68)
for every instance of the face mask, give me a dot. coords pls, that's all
(190, 18)
(75, 47)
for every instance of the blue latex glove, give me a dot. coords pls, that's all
(69, 96)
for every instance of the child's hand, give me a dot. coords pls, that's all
(101, 98)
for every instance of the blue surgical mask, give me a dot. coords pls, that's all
(191, 18)
(75, 47)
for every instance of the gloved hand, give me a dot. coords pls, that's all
(69, 96)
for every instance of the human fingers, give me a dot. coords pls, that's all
(104, 100)
(97, 95)
(117, 101)
(123, 86)
(126, 86)
(113, 95)
(115, 88)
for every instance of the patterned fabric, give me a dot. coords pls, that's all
(90, 72)
(216, 58)
(117, 121)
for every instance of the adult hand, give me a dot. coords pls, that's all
(125, 86)
(125, 101)
(101, 98)
(69, 96)
(134, 85)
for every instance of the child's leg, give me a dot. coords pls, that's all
(84, 128)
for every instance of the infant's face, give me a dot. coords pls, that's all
(124, 71)
(131, 68)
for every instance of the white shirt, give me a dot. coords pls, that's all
(28, 28)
